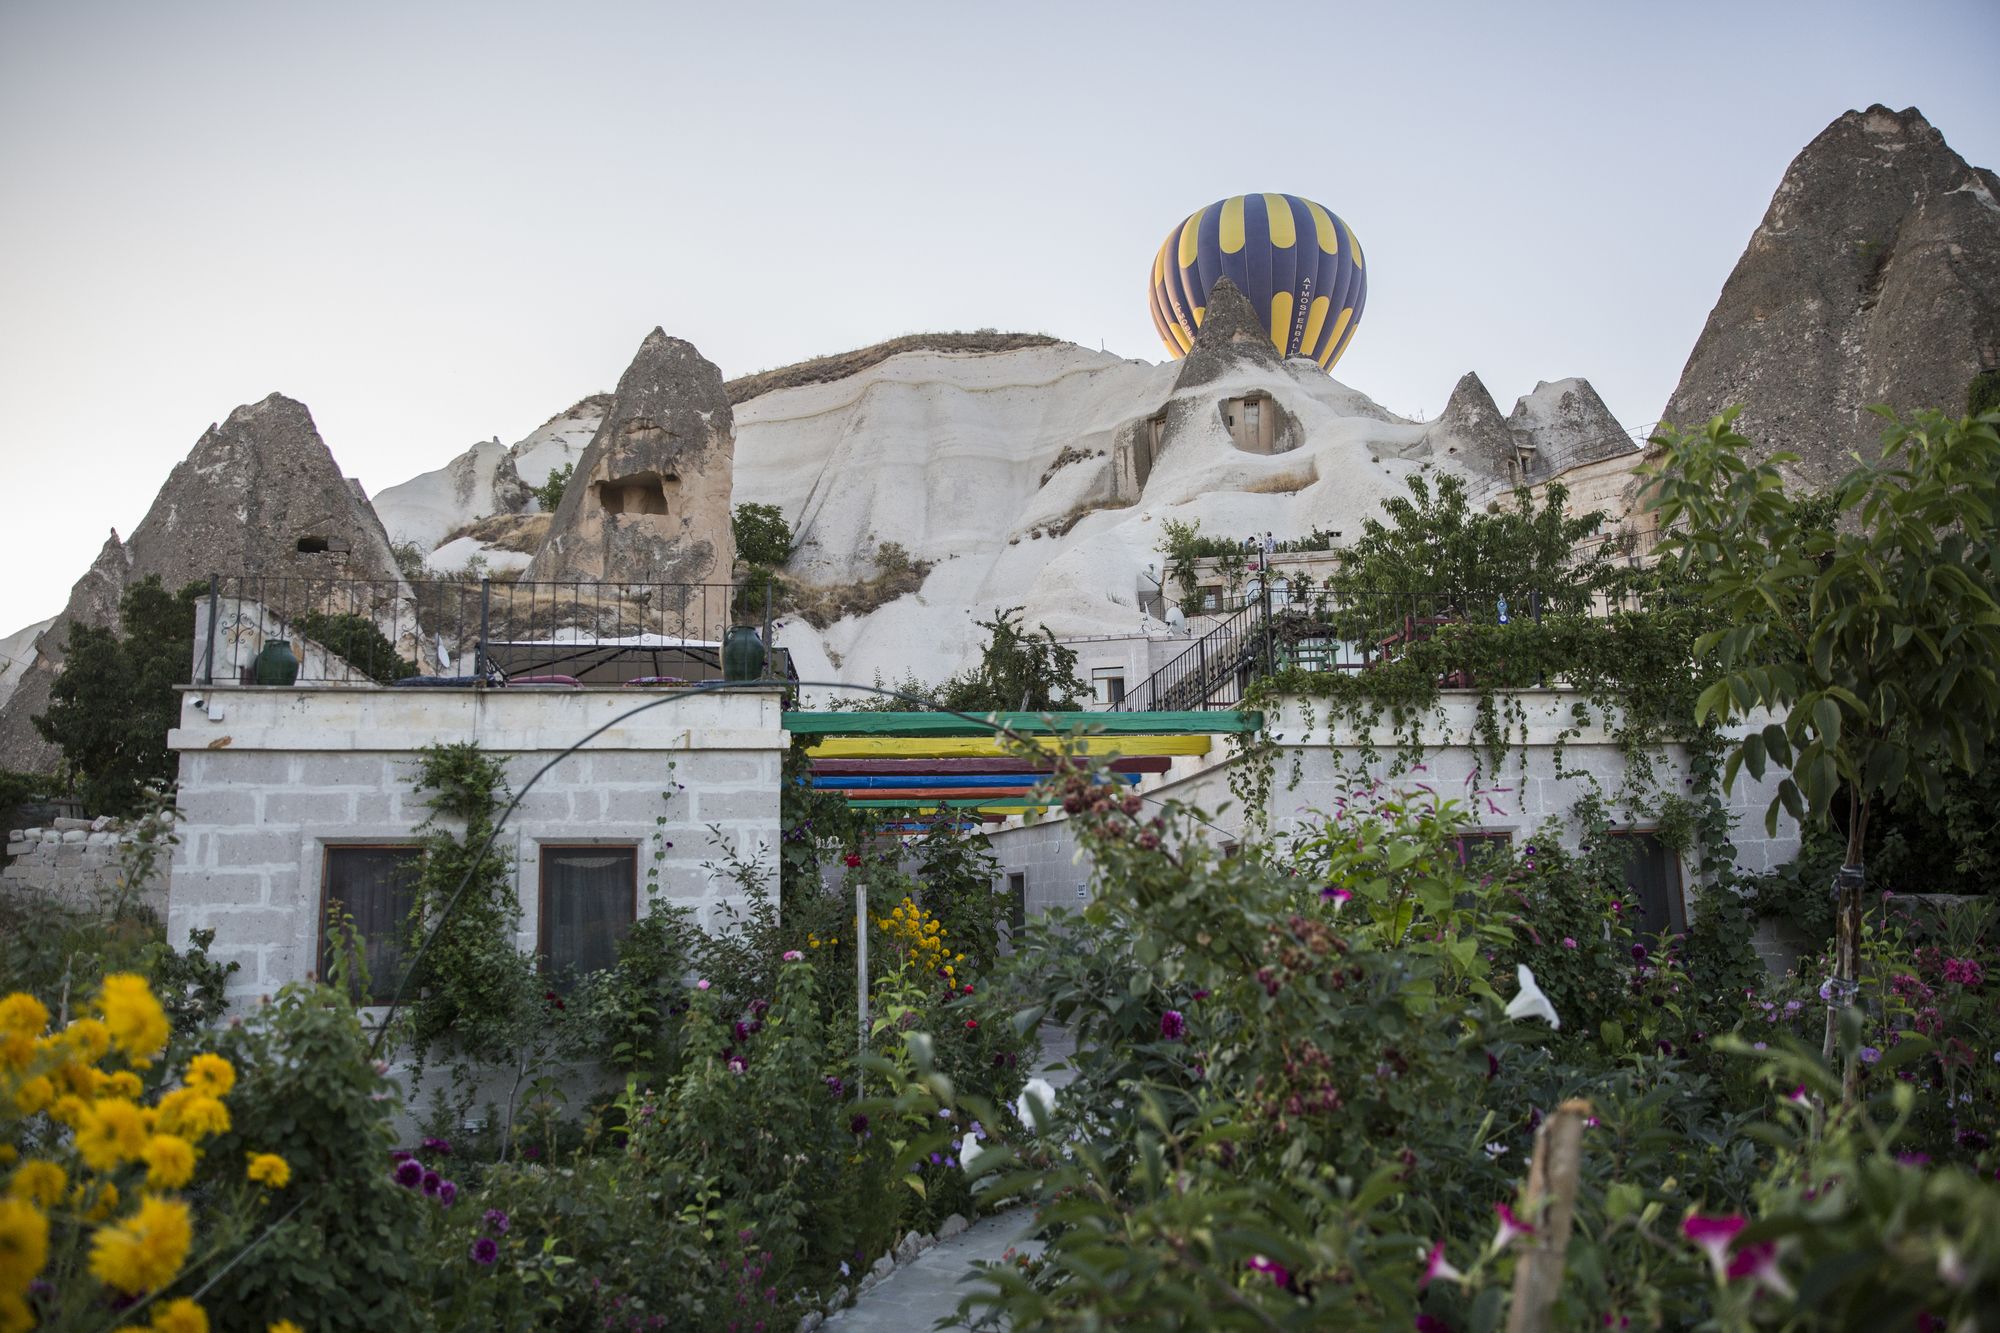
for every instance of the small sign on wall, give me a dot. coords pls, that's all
(1082, 894)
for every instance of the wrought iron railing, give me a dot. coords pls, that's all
(362, 632)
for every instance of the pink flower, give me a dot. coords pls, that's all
(1438, 1268)
(1257, 1263)
(793, 956)
(1510, 1227)
(1337, 897)
(1172, 1025)
(1759, 1263)
(1714, 1235)
(1569, 942)
(702, 984)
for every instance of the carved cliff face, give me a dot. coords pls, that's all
(649, 502)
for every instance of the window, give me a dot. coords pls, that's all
(1653, 877)
(1108, 684)
(377, 886)
(590, 895)
(1478, 848)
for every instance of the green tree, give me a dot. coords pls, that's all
(762, 535)
(112, 706)
(1438, 555)
(1872, 644)
(550, 493)
(357, 640)
(1020, 669)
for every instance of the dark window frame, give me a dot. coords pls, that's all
(321, 956)
(542, 851)
(1676, 891)
(1466, 839)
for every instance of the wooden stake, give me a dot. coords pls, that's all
(1550, 1206)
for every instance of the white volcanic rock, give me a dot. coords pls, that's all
(559, 440)
(1568, 423)
(429, 506)
(17, 654)
(945, 454)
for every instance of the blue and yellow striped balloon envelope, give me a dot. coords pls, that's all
(1298, 263)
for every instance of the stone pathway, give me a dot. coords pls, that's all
(929, 1287)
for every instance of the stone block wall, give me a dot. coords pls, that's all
(1540, 784)
(270, 778)
(77, 863)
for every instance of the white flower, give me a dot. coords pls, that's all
(1529, 1002)
(1495, 1150)
(1038, 1100)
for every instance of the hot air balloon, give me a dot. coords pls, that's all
(1298, 263)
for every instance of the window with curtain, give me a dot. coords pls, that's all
(1653, 877)
(590, 895)
(377, 886)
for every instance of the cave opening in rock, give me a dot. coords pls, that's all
(640, 493)
(313, 546)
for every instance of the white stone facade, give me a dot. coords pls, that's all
(1541, 781)
(270, 778)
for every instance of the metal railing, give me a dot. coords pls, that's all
(1314, 630)
(365, 632)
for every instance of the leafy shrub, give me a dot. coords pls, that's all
(762, 535)
(358, 641)
(549, 495)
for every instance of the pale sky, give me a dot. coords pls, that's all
(436, 223)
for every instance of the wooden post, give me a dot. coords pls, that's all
(1550, 1208)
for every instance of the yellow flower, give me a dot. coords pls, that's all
(38, 1182)
(959, 959)
(33, 1095)
(169, 1161)
(123, 1083)
(70, 1110)
(23, 1014)
(146, 1249)
(81, 1080)
(105, 1204)
(210, 1073)
(192, 1115)
(14, 1315)
(284, 1326)
(270, 1170)
(8, 1154)
(24, 1244)
(812, 944)
(88, 1039)
(138, 1025)
(181, 1316)
(114, 1133)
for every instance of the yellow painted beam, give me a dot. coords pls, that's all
(983, 747)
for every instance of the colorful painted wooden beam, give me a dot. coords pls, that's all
(949, 747)
(1011, 781)
(995, 807)
(802, 723)
(856, 768)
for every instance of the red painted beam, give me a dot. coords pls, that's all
(859, 768)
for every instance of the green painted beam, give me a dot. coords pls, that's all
(1038, 724)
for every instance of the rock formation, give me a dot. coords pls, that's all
(1565, 424)
(424, 509)
(1873, 278)
(258, 494)
(650, 500)
(1472, 432)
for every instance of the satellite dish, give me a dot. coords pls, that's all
(1176, 617)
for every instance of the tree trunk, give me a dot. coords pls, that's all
(1843, 988)
(1552, 1180)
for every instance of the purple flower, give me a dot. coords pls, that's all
(1638, 953)
(1172, 1025)
(1335, 896)
(497, 1220)
(1569, 942)
(401, 1155)
(1510, 1227)
(836, 1087)
(858, 1125)
(432, 1183)
(447, 1194)
(442, 1147)
(1869, 1055)
(485, 1250)
(409, 1173)
(736, 1065)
